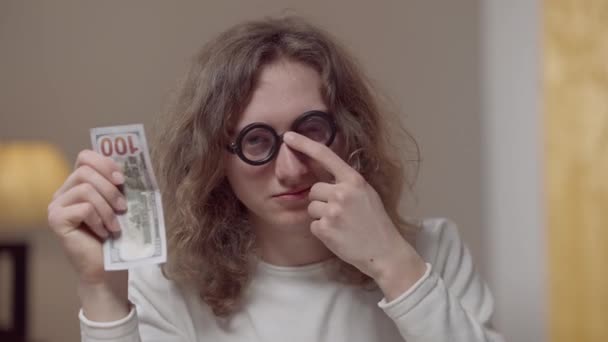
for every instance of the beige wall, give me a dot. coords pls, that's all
(67, 66)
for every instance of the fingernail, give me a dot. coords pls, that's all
(118, 177)
(121, 204)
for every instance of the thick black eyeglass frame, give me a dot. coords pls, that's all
(235, 147)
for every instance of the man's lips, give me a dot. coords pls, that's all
(293, 192)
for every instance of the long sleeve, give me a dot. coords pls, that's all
(451, 302)
(123, 330)
(153, 316)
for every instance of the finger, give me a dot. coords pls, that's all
(106, 166)
(321, 230)
(87, 175)
(93, 221)
(322, 154)
(85, 192)
(69, 218)
(317, 209)
(321, 192)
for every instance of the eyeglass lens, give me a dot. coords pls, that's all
(260, 142)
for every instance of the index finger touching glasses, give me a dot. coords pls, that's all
(258, 143)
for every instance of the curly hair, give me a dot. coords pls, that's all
(211, 245)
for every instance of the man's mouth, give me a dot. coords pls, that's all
(295, 193)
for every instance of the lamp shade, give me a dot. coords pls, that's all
(30, 172)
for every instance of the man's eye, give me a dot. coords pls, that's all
(257, 140)
(315, 132)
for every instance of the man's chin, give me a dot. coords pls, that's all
(295, 219)
(290, 219)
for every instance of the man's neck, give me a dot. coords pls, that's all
(290, 246)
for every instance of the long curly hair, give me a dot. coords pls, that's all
(211, 245)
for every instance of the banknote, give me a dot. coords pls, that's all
(142, 239)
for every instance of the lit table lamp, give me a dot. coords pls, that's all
(30, 172)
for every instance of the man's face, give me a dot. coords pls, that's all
(276, 193)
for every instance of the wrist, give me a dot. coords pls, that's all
(399, 273)
(104, 302)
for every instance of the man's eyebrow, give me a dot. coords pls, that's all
(238, 128)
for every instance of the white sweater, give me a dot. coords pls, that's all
(449, 303)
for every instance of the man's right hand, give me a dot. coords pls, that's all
(82, 215)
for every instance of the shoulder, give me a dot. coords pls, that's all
(163, 306)
(157, 298)
(439, 243)
(149, 282)
(150, 274)
(435, 231)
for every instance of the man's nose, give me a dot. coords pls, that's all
(291, 166)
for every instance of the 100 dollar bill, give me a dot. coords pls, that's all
(142, 238)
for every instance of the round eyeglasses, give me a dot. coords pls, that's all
(258, 143)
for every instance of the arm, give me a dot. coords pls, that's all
(450, 302)
(155, 315)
